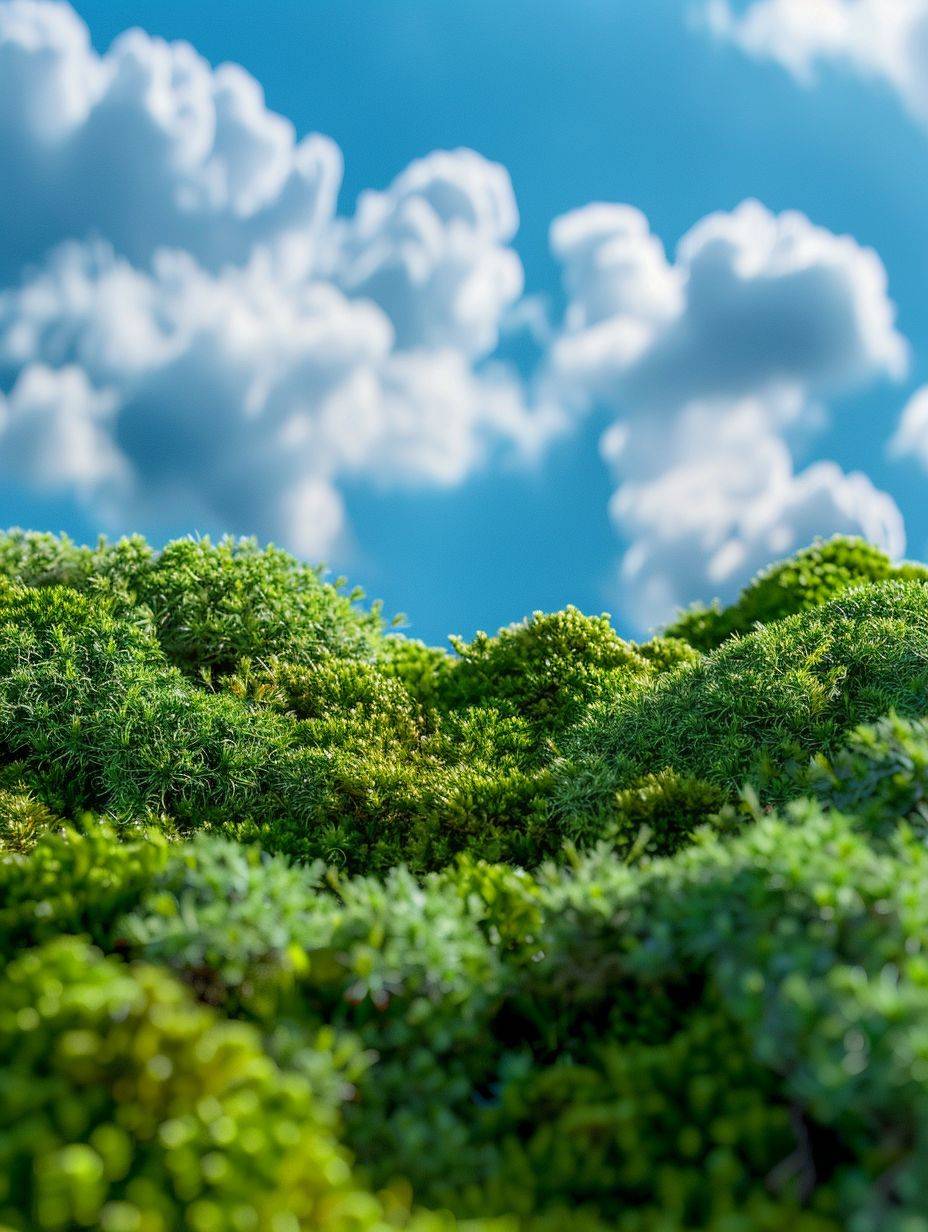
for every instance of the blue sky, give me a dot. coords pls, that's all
(581, 102)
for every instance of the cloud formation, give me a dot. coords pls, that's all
(147, 146)
(183, 305)
(188, 325)
(910, 439)
(243, 395)
(708, 361)
(886, 40)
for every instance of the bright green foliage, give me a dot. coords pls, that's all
(660, 812)
(74, 882)
(340, 696)
(665, 653)
(33, 559)
(22, 820)
(129, 1109)
(333, 757)
(211, 605)
(545, 669)
(422, 669)
(87, 700)
(215, 605)
(731, 1038)
(804, 581)
(408, 974)
(880, 774)
(67, 663)
(760, 704)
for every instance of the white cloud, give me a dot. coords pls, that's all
(753, 303)
(709, 499)
(147, 145)
(247, 396)
(883, 39)
(187, 324)
(910, 439)
(708, 361)
(54, 432)
(432, 251)
(171, 253)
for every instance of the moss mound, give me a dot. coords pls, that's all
(307, 925)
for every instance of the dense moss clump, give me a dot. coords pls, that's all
(210, 605)
(307, 925)
(760, 704)
(805, 581)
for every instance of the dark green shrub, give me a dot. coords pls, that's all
(807, 939)
(689, 1133)
(524, 740)
(397, 783)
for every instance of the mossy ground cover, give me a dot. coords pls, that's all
(306, 925)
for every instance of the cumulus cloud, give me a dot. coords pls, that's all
(187, 324)
(753, 302)
(708, 360)
(432, 251)
(55, 431)
(183, 313)
(147, 145)
(882, 39)
(245, 396)
(910, 439)
(708, 501)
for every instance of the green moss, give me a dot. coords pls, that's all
(711, 1040)
(544, 669)
(210, 605)
(760, 705)
(803, 582)
(553, 934)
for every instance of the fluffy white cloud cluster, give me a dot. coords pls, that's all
(186, 323)
(188, 326)
(147, 145)
(241, 396)
(883, 39)
(432, 251)
(708, 360)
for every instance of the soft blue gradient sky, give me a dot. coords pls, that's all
(581, 100)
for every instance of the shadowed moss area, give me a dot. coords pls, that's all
(307, 925)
